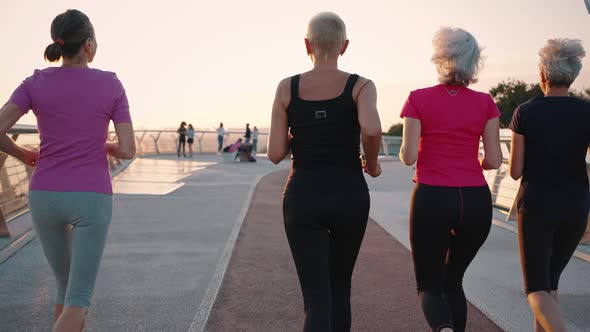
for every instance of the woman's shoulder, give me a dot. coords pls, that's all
(108, 78)
(531, 103)
(39, 74)
(477, 93)
(426, 92)
(361, 80)
(361, 84)
(104, 74)
(579, 102)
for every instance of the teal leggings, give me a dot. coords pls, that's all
(72, 228)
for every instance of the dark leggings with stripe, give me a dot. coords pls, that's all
(448, 225)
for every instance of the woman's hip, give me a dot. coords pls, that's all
(70, 207)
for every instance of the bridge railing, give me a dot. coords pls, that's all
(504, 189)
(166, 141)
(14, 175)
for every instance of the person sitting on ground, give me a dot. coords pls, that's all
(233, 147)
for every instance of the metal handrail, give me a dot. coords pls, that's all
(148, 141)
(166, 141)
(14, 179)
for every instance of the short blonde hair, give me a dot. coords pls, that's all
(457, 56)
(326, 33)
(561, 61)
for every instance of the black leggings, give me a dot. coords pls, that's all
(548, 240)
(448, 225)
(325, 215)
(181, 143)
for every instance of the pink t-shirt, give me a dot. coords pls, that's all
(451, 130)
(73, 107)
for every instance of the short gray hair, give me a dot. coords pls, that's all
(457, 56)
(326, 33)
(561, 61)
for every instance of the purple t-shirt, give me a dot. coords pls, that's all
(73, 107)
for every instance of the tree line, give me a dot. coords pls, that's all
(507, 95)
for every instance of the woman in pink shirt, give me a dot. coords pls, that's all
(70, 190)
(451, 209)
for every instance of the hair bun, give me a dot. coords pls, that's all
(561, 60)
(53, 52)
(560, 49)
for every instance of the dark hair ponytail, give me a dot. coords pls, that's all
(53, 52)
(69, 32)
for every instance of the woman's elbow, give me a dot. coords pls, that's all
(515, 175)
(372, 132)
(128, 153)
(492, 159)
(276, 160)
(495, 163)
(274, 157)
(515, 171)
(407, 159)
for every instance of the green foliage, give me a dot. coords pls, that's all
(396, 130)
(584, 94)
(509, 94)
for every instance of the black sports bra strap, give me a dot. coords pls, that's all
(350, 84)
(295, 87)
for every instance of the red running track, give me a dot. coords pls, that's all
(260, 290)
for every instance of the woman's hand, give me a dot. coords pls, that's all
(124, 148)
(29, 157)
(375, 171)
(112, 148)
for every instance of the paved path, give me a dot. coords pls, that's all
(261, 291)
(174, 229)
(162, 250)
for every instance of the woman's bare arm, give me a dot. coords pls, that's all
(9, 115)
(370, 127)
(125, 147)
(491, 145)
(278, 142)
(410, 141)
(516, 156)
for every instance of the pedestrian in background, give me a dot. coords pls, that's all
(181, 139)
(255, 139)
(248, 134)
(220, 137)
(190, 134)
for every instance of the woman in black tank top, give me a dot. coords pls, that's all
(320, 116)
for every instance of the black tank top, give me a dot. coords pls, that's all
(324, 133)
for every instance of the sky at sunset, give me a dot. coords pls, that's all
(209, 61)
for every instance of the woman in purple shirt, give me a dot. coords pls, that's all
(70, 190)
